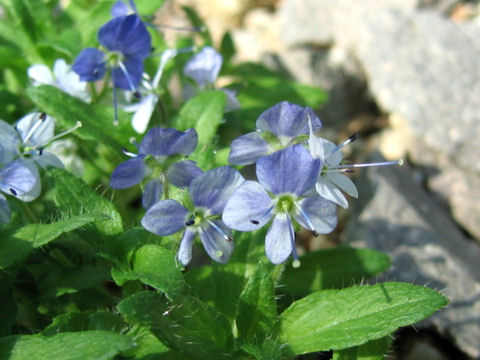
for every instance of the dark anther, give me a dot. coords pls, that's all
(137, 95)
(350, 171)
(255, 222)
(13, 191)
(95, 72)
(40, 151)
(190, 222)
(229, 238)
(42, 116)
(314, 233)
(353, 137)
(152, 49)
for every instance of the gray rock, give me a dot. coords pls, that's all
(395, 215)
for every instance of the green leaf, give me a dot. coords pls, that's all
(20, 14)
(98, 345)
(372, 350)
(203, 112)
(190, 327)
(148, 346)
(148, 7)
(257, 309)
(8, 307)
(155, 266)
(227, 47)
(339, 319)
(17, 245)
(332, 268)
(74, 195)
(97, 121)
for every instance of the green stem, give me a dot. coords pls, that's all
(31, 216)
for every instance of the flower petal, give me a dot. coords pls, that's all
(119, 9)
(133, 68)
(21, 179)
(128, 173)
(185, 251)
(126, 34)
(343, 182)
(182, 173)
(4, 210)
(69, 81)
(152, 193)
(90, 64)
(247, 149)
(40, 74)
(217, 241)
(291, 170)
(143, 112)
(278, 242)
(249, 208)
(160, 141)
(330, 191)
(204, 66)
(287, 121)
(321, 213)
(232, 101)
(213, 188)
(166, 217)
(9, 141)
(47, 159)
(36, 129)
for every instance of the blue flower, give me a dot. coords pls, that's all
(280, 126)
(284, 190)
(209, 193)
(122, 8)
(156, 162)
(127, 42)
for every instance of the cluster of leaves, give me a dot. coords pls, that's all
(81, 280)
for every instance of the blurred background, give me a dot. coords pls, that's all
(404, 75)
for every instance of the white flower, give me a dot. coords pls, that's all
(62, 77)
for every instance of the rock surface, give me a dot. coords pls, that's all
(395, 215)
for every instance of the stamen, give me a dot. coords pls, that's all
(306, 218)
(42, 116)
(384, 163)
(128, 153)
(127, 76)
(41, 119)
(220, 231)
(292, 238)
(338, 170)
(13, 191)
(115, 110)
(190, 221)
(255, 222)
(78, 124)
(346, 142)
(40, 151)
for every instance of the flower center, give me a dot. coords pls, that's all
(285, 204)
(114, 58)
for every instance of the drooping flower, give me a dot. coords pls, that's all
(209, 193)
(62, 77)
(283, 191)
(332, 180)
(156, 162)
(127, 43)
(282, 125)
(204, 68)
(143, 110)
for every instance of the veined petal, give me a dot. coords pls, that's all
(182, 173)
(34, 131)
(160, 141)
(291, 170)
(185, 251)
(249, 208)
(322, 214)
(90, 64)
(204, 66)
(287, 121)
(213, 188)
(4, 210)
(126, 34)
(152, 193)
(332, 159)
(143, 112)
(330, 191)
(343, 182)
(166, 217)
(217, 241)
(21, 179)
(40, 74)
(47, 159)
(133, 68)
(69, 81)
(278, 242)
(128, 173)
(9, 140)
(247, 149)
(120, 9)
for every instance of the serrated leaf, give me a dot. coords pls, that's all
(332, 268)
(97, 121)
(190, 327)
(98, 345)
(155, 266)
(203, 112)
(339, 319)
(72, 193)
(372, 350)
(257, 309)
(18, 244)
